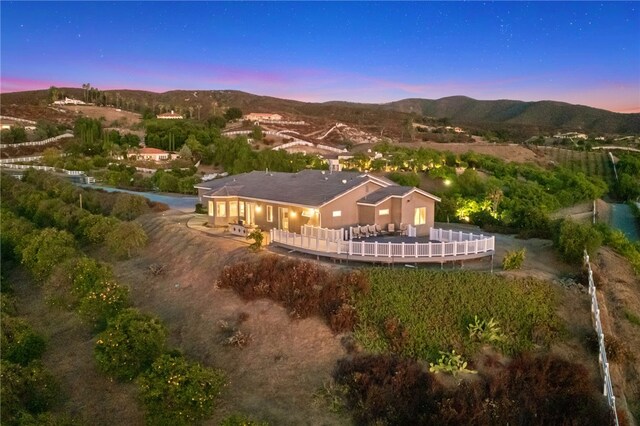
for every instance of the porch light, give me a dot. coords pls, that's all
(294, 214)
(258, 209)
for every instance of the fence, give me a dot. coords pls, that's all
(20, 159)
(43, 142)
(292, 144)
(45, 168)
(332, 235)
(22, 120)
(369, 251)
(604, 364)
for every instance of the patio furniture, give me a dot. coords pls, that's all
(378, 229)
(364, 231)
(372, 230)
(403, 228)
(355, 232)
(391, 228)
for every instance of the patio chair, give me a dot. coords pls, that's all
(391, 228)
(364, 231)
(372, 230)
(403, 228)
(378, 230)
(355, 232)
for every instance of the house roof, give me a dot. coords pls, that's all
(311, 188)
(147, 150)
(382, 194)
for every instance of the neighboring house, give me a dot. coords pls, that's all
(259, 116)
(571, 135)
(170, 116)
(153, 154)
(313, 197)
(69, 101)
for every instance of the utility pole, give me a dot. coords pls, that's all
(80, 201)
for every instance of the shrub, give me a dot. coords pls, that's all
(513, 259)
(257, 237)
(388, 390)
(485, 331)
(573, 238)
(20, 343)
(176, 392)
(129, 207)
(130, 344)
(450, 362)
(303, 287)
(200, 209)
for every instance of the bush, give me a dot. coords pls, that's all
(130, 344)
(513, 259)
(200, 209)
(573, 238)
(20, 343)
(176, 392)
(257, 237)
(303, 287)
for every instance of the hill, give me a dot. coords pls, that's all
(543, 114)
(518, 119)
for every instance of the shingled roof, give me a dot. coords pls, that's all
(310, 188)
(379, 195)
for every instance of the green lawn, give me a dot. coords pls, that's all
(435, 308)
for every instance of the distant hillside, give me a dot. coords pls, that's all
(544, 114)
(519, 119)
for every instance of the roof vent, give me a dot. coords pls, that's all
(344, 181)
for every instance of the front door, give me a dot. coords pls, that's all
(283, 218)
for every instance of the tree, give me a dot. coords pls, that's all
(20, 343)
(256, 133)
(130, 344)
(233, 113)
(125, 239)
(103, 302)
(573, 238)
(177, 392)
(129, 206)
(95, 227)
(185, 153)
(46, 249)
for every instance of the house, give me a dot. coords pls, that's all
(153, 154)
(69, 101)
(287, 201)
(259, 116)
(571, 135)
(170, 116)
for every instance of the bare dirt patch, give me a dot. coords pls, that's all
(110, 114)
(275, 376)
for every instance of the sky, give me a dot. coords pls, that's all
(578, 52)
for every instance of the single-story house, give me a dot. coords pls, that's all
(260, 116)
(69, 101)
(153, 154)
(169, 116)
(315, 197)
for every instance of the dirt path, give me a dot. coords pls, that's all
(275, 376)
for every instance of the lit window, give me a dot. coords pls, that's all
(383, 212)
(210, 208)
(337, 213)
(420, 217)
(221, 209)
(269, 213)
(242, 208)
(233, 209)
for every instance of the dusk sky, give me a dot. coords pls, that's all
(579, 52)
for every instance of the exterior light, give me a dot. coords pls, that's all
(294, 214)
(258, 209)
(447, 182)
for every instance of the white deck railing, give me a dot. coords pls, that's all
(468, 245)
(332, 235)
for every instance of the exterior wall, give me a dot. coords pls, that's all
(367, 215)
(408, 205)
(347, 205)
(383, 221)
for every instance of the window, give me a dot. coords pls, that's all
(210, 208)
(420, 217)
(221, 209)
(337, 213)
(269, 213)
(241, 208)
(233, 209)
(383, 212)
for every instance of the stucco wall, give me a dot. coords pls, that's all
(346, 204)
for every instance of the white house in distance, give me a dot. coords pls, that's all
(570, 135)
(69, 101)
(170, 116)
(263, 116)
(152, 154)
